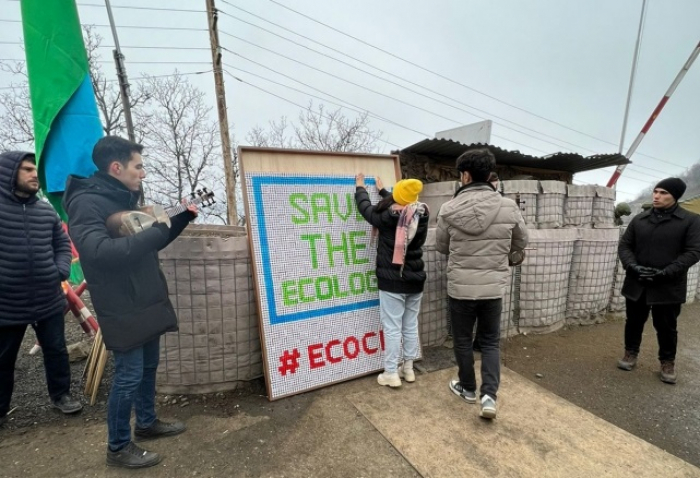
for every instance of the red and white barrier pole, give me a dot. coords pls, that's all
(82, 313)
(618, 171)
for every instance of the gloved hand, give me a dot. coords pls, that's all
(659, 275)
(642, 272)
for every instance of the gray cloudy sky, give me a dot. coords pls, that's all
(564, 60)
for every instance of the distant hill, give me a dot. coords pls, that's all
(691, 178)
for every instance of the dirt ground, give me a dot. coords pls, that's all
(576, 363)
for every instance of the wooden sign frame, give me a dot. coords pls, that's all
(311, 345)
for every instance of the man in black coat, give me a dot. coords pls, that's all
(658, 248)
(35, 256)
(128, 290)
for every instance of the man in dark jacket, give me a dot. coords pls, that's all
(657, 249)
(128, 290)
(35, 256)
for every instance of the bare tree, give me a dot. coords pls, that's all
(171, 118)
(16, 124)
(319, 129)
(182, 143)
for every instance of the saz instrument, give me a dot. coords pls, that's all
(128, 223)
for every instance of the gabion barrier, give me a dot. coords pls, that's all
(524, 193)
(603, 215)
(550, 204)
(578, 210)
(592, 274)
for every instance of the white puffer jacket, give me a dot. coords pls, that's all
(478, 229)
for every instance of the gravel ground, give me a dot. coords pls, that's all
(576, 363)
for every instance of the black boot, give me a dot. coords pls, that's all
(132, 456)
(68, 404)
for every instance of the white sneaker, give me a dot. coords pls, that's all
(488, 407)
(389, 379)
(406, 371)
(409, 375)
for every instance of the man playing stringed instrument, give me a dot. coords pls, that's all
(128, 290)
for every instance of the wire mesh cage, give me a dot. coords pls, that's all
(434, 316)
(550, 204)
(603, 207)
(218, 343)
(592, 274)
(524, 193)
(617, 301)
(510, 309)
(543, 278)
(578, 208)
(693, 282)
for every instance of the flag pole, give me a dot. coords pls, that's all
(121, 75)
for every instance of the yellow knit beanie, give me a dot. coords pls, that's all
(406, 191)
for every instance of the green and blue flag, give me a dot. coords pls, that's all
(66, 122)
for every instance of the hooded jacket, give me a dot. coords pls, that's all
(389, 275)
(478, 228)
(35, 252)
(127, 287)
(667, 240)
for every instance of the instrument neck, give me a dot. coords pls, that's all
(182, 207)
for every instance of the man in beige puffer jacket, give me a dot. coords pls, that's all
(478, 229)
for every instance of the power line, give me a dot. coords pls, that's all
(374, 91)
(461, 84)
(355, 108)
(490, 115)
(132, 79)
(158, 62)
(287, 100)
(139, 27)
(133, 46)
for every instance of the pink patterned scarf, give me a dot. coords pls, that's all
(406, 229)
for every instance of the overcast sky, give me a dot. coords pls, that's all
(563, 60)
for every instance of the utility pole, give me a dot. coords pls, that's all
(213, 16)
(121, 75)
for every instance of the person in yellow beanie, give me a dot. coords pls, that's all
(402, 224)
(406, 191)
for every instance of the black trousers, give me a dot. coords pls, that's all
(664, 318)
(51, 335)
(487, 316)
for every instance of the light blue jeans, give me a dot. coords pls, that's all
(399, 315)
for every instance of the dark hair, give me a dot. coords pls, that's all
(113, 148)
(384, 204)
(30, 158)
(478, 163)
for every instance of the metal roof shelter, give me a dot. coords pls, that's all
(436, 159)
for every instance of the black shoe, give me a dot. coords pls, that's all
(459, 390)
(159, 429)
(68, 404)
(132, 456)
